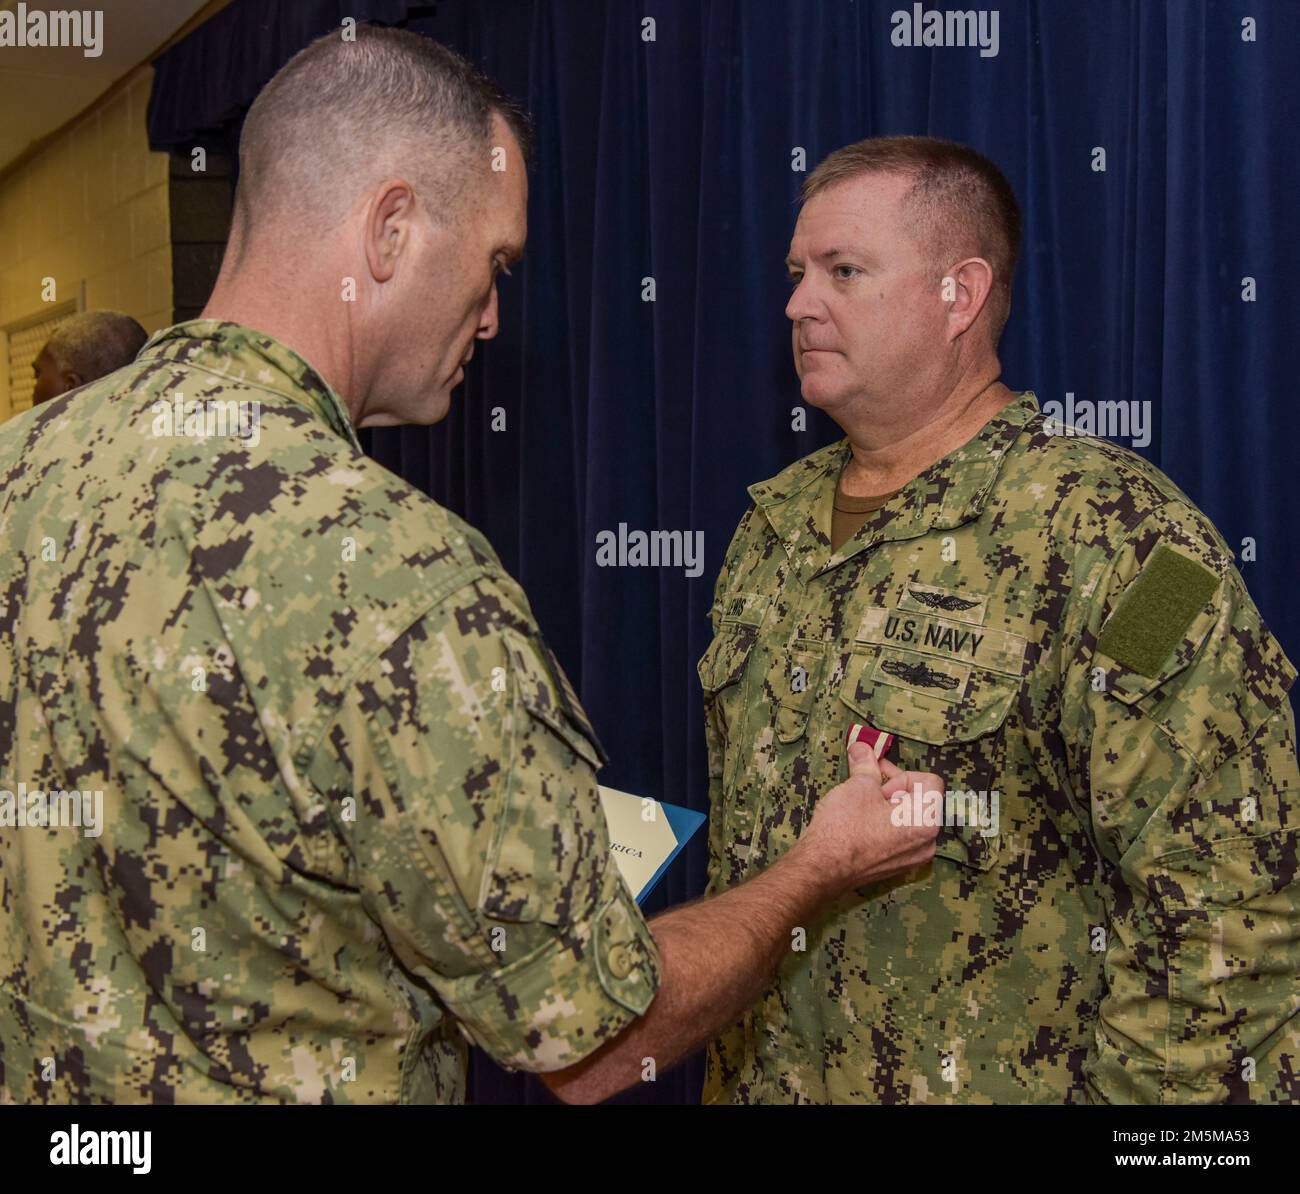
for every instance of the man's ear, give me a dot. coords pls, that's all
(967, 288)
(388, 227)
(71, 380)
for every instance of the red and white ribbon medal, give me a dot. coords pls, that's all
(879, 740)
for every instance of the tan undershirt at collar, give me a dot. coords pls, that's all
(849, 513)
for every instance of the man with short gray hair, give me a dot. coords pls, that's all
(350, 812)
(84, 348)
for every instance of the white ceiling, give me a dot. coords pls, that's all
(43, 87)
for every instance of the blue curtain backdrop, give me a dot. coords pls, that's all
(671, 159)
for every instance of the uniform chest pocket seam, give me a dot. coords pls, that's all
(808, 657)
(892, 707)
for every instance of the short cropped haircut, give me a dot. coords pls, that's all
(95, 343)
(960, 203)
(343, 112)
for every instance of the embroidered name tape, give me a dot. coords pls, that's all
(928, 634)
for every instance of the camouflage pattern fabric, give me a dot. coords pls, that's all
(349, 814)
(1128, 929)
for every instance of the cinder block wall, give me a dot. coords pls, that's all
(93, 205)
(200, 225)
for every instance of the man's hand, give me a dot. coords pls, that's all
(852, 839)
(718, 954)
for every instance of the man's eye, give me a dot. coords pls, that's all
(846, 272)
(794, 280)
(499, 268)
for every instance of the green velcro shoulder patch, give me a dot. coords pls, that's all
(1153, 616)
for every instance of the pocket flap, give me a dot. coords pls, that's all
(545, 691)
(724, 661)
(1128, 686)
(969, 845)
(924, 699)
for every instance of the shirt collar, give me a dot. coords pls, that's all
(242, 354)
(952, 491)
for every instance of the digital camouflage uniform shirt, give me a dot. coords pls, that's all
(349, 810)
(1047, 618)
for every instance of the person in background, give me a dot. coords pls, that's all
(85, 348)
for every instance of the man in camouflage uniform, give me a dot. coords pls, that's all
(294, 800)
(1034, 615)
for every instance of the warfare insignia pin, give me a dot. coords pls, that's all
(943, 601)
(918, 673)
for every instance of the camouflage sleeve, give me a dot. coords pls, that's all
(461, 775)
(1182, 754)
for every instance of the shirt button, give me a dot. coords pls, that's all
(620, 961)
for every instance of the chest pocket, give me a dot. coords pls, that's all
(947, 719)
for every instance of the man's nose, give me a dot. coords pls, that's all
(489, 323)
(802, 305)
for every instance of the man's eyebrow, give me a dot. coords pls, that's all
(831, 254)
